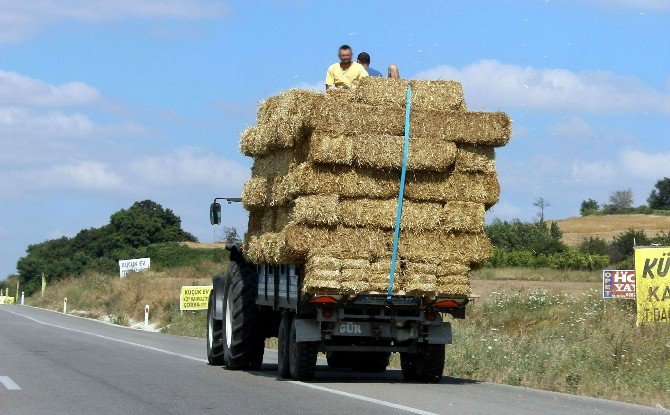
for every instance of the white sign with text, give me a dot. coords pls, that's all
(133, 265)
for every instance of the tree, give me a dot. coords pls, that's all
(589, 207)
(623, 245)
(621, 200)
(541, 203)
(594, 245)
(230, 235)
(660, 196)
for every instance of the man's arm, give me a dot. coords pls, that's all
(330, 79)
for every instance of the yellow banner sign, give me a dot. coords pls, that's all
(194, 297)
(652, 284)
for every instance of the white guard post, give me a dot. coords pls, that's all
(146, 317)
(65, 305)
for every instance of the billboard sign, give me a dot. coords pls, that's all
(652, 269)
(194, 297)
(619, 283)
(133, 265)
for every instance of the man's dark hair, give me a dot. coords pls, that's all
(345, 47)
(364, 58)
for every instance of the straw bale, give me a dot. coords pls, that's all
(254, 141)
(255, 193)
(478, 128)
(268, 220)
(276, 164)
(307, 179)
(318, 210)
(355, 263)
(437, 95)
(441, 247)
(323, 260)
(381, 91)
(255, 224)
(282, 218)
(386, 152)
(361, 243)
(472, 159)
(436, 268)
(431, 95)
(463, 216)
(381, 151)
(419, 284)
(331, 149)
(376, 213)
(458, 285)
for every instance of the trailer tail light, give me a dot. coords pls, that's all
(430, 315)
(449, 303)
(327, 312)
(324, 299)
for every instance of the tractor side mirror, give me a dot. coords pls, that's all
(215, 213)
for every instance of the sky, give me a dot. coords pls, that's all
(105, 103)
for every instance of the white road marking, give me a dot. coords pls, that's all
(9, 383)
(156, 349)
(364, 398)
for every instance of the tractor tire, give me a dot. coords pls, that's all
(283, 342)
(214, 335)
(371, 362)
(425, 366)
(243, 335)
(302, 357)
(338, 360)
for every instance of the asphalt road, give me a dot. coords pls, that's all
(52, 363)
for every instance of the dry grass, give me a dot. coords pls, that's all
(578, 344)
(122, 300)
(575, 230)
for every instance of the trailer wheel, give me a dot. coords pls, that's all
(425, 366)
(371, 362)
(284, 339)
(214, 335)
(243, 336)
(338, 360)
(302, 357)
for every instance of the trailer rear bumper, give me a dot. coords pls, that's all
(311, 330)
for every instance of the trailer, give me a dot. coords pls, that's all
(254, 302)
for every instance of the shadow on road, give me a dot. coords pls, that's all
(325, 374)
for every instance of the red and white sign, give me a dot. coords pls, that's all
(618, 283)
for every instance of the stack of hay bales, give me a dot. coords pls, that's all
(326, 176)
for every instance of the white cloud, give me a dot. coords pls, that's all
(20, 19)
(645, 165)
(17, 89)
(491, 84)
(20, 122)
(187, 167)
(599, 172)
(86, 175)
(572, 127)
(659, 5)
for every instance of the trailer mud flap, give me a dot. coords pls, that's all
(439, 334)
(307, 330)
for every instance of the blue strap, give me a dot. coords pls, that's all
(401, 194)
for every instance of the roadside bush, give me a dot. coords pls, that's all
(568, 259)
(594, 245)
(519, 236)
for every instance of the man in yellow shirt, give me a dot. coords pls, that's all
(345, 74)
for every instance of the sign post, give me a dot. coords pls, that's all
(652, 269)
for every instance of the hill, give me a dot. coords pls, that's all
(608, 226)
